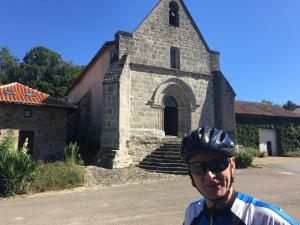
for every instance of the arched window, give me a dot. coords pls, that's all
(173, 14)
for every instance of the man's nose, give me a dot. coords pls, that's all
(209, 174)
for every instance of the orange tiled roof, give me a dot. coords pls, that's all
(262, 109)
(21, 94)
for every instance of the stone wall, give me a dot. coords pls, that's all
(48, 124)
(224, 98)
(192, 92)
(150, 43)
(146, 114)
(135, 85)
(150, 79)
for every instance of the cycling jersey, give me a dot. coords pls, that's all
(241, 210)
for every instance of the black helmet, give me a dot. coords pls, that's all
(204, 140)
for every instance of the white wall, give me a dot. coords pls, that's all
(266, 135)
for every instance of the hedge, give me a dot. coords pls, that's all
(287, 131)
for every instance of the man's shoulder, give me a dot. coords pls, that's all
(196, 205)
(193, 210)
(246, 206)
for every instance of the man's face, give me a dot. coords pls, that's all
(212, 185)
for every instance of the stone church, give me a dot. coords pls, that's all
(160, 80)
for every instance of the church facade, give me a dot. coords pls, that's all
(160, 80)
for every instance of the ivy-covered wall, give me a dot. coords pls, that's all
(287, 131)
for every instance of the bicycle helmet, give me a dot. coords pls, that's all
(204, 140)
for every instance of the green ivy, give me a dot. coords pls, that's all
(287, 131)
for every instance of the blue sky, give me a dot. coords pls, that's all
(259, 40)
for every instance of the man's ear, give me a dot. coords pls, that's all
(232, 164)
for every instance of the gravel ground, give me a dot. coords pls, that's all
(96, 176)
(101, 177)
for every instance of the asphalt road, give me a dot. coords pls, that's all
(293, 167)
(161, 203)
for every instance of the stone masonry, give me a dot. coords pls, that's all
(139, 78)
(48, 125)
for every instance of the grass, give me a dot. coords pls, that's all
(57, 176)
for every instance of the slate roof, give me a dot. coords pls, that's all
(262, 109)
(20, 94)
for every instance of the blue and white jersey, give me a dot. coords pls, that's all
(242, 210)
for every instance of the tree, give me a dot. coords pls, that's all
(9, 66)
(265, 101)
(289, 105)
(41, 69)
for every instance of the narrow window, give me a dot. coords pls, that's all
(113, 56)
(27, 113)
(174, 58)
(173, 14)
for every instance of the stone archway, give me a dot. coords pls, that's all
(186, 104)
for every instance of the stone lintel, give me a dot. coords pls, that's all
(167, 71)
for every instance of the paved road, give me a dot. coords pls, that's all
(283, 163)
(293, 167)
(161, 203)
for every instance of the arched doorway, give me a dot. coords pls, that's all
(170, 116)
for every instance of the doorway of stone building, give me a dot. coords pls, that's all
(29, 135)
(170, 116)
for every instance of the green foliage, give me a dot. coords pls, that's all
(57, 176)
(292, 154)
(19, 173)
(247, 135)
(243, 159)
(7, 144)
(254, 152)
(17, 169)
(288, 132)
(9, 66)
(72, 155)
(265, 101)
(289, 105)
(40, 69)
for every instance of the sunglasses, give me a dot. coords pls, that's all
(215, 166)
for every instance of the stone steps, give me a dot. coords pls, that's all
(165, 159)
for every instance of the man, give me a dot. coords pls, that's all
(209, 155)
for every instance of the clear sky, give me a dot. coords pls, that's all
(259, 40)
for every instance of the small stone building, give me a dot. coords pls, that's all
(160, 80)
(34, 116)
(267, 127)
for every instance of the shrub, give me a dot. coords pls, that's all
(287, 130)
(243, 159)
(254, 152)
(57, 176)
(291, 154)
(72, 155)
(17, 169)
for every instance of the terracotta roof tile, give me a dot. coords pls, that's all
(21, 94)
(262, 109)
